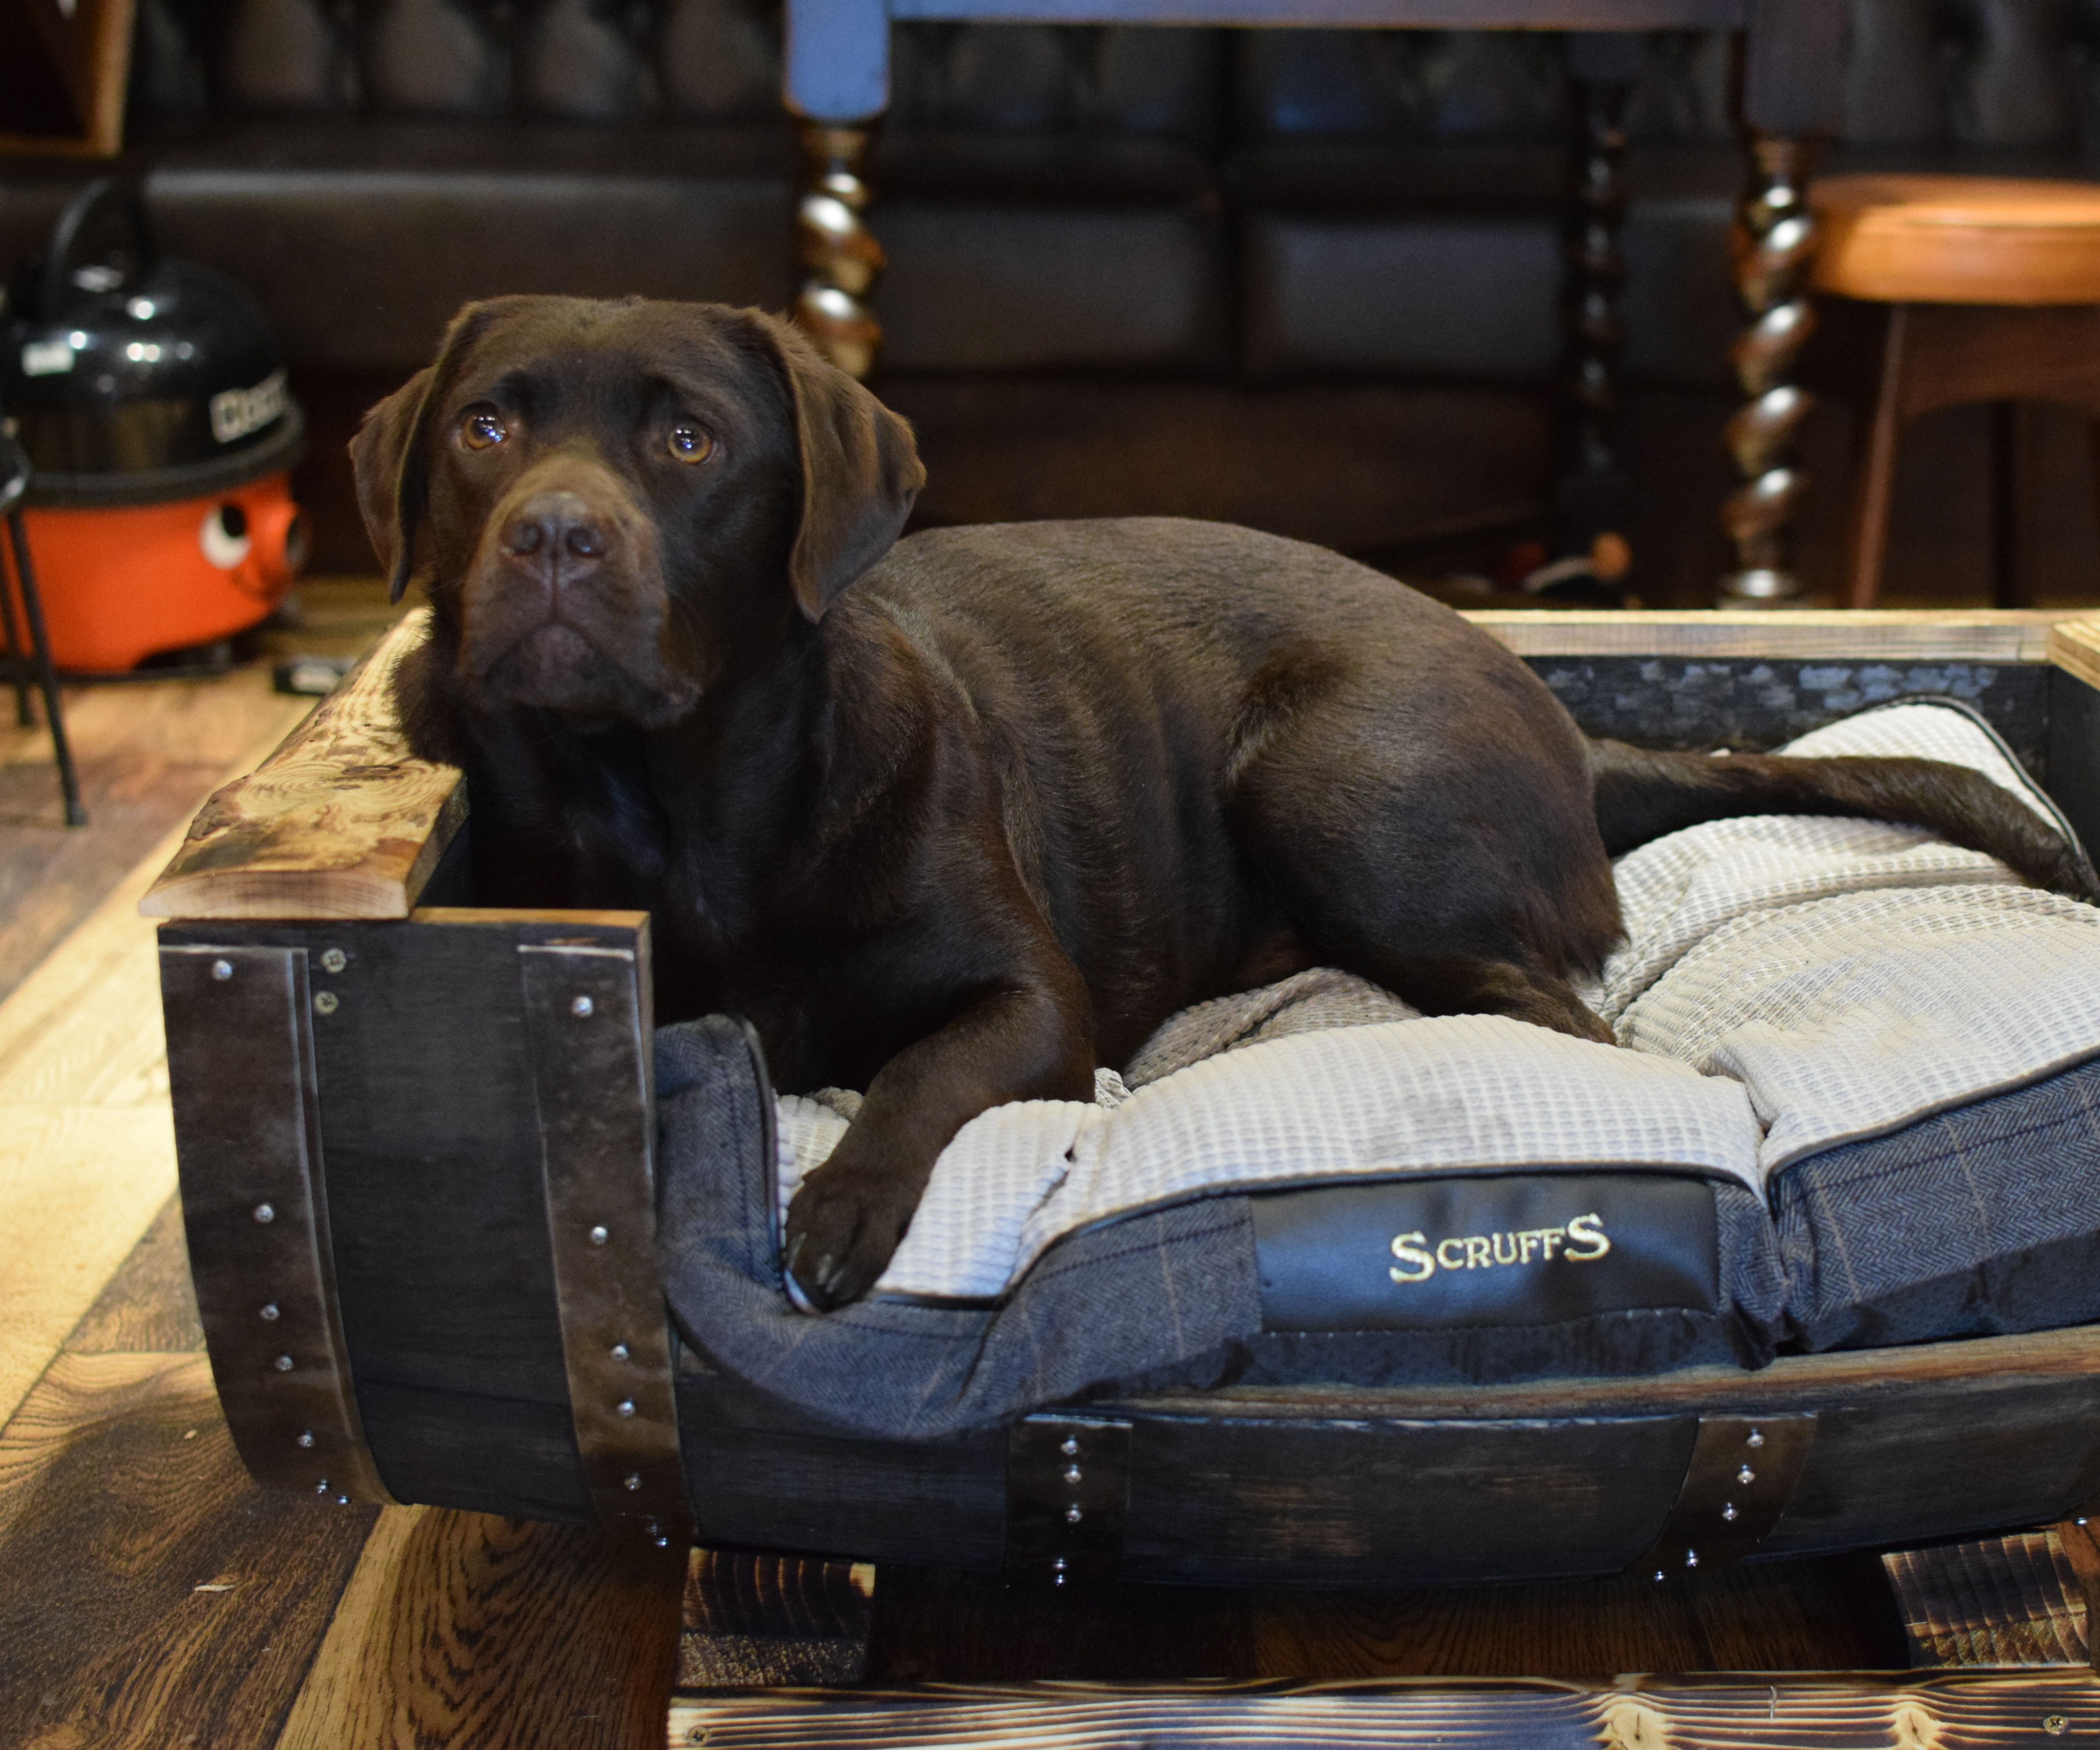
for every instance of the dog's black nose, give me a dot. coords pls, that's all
(555, 523)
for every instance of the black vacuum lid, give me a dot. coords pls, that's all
(131, 378)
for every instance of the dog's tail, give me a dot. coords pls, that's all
(1643, 795)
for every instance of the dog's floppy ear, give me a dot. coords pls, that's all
(387, 455)
(860, 471)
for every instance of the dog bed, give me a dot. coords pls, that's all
(1857, 1104)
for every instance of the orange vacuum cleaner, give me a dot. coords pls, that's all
(149, 395)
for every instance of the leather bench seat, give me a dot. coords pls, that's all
(1444, 262)
(362, 239)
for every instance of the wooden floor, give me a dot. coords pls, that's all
(152, 1595)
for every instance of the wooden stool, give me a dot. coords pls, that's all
(1995, 285)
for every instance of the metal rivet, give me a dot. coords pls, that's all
(625, 1406)
(283, 1363)
(1073, 1515)
(598, 1236)
(1071, 1448)
(1660, 1574)
(1061, 1564)
(325, 1003)
(269, 1310)
(1072, 1473)
(1691, 1558)
(221, 970)
(1756, 1438)
(343, 1501)
(306, 1439)
(1729, 1513)
(580, 1008)
(321, 1487)
(663, 1543)
(265, 1215)
(620, 1352)
(1746, 1476)
(334, 960)
(633, 1480)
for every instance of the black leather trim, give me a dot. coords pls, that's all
(1525, 1248)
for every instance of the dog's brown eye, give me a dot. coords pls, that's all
(689, 443)
(482, 428)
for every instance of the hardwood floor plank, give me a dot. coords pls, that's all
(86, 1144)
(1823, 1616)
(78, 1186)
(153, 1597)
(148, 753)
(936, 1625)
(754, 1621)
(462, 1629)
(149, 1304)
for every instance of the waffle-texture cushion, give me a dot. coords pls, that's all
(1313, 1182)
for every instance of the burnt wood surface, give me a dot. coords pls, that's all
(2001, 1601)
(1335, 1487)
(292, 839)
(1946, 1712)
(1751, 703)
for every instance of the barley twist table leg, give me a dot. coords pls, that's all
(835, 253)
(1775, 248)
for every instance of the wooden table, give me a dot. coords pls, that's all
(838, 85)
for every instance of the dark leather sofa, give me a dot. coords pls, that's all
(1303, 279)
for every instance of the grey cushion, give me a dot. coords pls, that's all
(1173, 1296)
(1975, 1222)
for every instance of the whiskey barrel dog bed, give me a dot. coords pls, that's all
(1320, 1291)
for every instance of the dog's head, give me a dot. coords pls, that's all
(610, 504)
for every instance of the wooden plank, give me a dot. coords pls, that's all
(1983, 635)
(1899, 1711)
(88, 44)
(341, 821)
(754, 1620)
(86, 1150)
(154, 1597)
(1834, 1614)
(1997, 1601)
(78, 1186)
(2080, 1541)
(2074, 644)
(436, 1199)
(944, 1626)
(1798, 1382)
(147, 755)
(463, 1628)
(149, 1306)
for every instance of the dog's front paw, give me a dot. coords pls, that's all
(842, 1228)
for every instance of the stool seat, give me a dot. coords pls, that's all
(1958, 240)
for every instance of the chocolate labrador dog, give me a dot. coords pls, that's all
(955, 819)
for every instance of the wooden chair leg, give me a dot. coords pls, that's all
(1875, 482)
(2005, 591)
(2093, 461)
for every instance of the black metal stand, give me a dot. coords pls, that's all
(31, 665)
